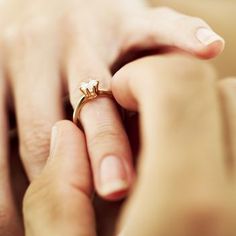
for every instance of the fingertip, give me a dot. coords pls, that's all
(212, 50)
(116, 177)
(121, 88)
(211, 44)
(66, 138)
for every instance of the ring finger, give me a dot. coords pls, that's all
(107, 142)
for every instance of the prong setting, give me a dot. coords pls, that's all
(90, 89)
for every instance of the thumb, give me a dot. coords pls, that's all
(58, 202)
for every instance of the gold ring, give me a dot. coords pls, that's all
(90, 92)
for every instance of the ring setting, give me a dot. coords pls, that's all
(90, 89)
(90, 92)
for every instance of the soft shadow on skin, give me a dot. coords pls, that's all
(135, 53)
(19, 181)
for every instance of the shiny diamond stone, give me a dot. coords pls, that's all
(90, 86)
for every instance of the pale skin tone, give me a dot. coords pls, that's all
(186, 167)
(48, 49)
(6, 200)
(224, 191)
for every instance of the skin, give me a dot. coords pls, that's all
(212, 135)
(188, 140)
(225, 63)
(188, 129)
(60, 38)
(7, 200)
(49, 49)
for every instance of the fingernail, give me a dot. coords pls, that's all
(113, 176)
(53, 141)
(207, 36)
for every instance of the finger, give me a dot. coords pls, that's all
(107, 142)
(10, 223)
(68, 154)
(67, 181)
(181, 135)
(166, 27)
(34, 71)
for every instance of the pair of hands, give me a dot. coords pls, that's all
(44, 57)
(48, 49)
(186, 169)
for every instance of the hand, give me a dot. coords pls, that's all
(67, 182)
(59, 201)
(186, 171)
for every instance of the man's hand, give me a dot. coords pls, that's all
(58, 202)
(186, 172)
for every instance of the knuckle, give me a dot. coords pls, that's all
(11, 35)
(197, 21)
(190, 21)
(190, 78)
(36, 28)
(21, 35)
(186, 69)
(105, 134)
(72, 20)
(35, 141)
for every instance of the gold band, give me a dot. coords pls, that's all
(91, 91)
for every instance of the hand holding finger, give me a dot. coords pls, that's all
(58, 202)
(177, 141)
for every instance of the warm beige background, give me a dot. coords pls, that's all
(221, 15)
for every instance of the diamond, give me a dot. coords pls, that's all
(93, 82)
(89, 88)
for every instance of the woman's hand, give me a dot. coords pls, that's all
(186, 175)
